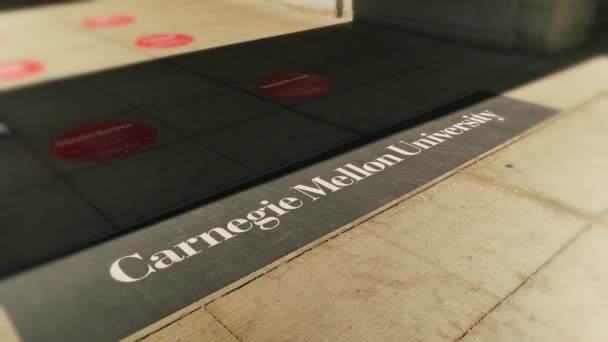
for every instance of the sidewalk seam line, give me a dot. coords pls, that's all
(547, 262)
(222, 323)
(159, 329)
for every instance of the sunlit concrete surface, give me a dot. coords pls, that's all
(55, 33)
(7, 331)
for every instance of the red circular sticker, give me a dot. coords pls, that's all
(164, 40)
(102, 141)
(14, 70)
(295, 85)
(108, 21)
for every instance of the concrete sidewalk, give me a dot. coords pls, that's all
(510, 248)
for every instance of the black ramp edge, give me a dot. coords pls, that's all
(81, 297)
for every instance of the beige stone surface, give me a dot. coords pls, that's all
(7, 330)
(564, 162)
(65, 50)
(55, 36)
(508, 323)
(604, 218)
(206, 21)
(477, 230)
(425, 268)
(355, 287)
(564, 301)
(566, 88)
(63, 58)
(196, 327)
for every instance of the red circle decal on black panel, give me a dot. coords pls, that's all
(164, 40)
(14, 70)
(108, 21)
(295, 85)
(102, 141)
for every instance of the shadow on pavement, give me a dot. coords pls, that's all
(95, 156)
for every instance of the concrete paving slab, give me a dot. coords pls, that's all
(197, 326)
(212, 110)
(339, 51)
(76, 52)
(32, 32)
(269, 20)
(350, 53)
(151, 83)
(559, 162)
(433, 83)
(604, 218)
(57, 106)
(508, 323)
(245, 62)
(367, 42)
(58, 211)
(40, 144)
(341, 290)
(557, 89)
(364, 68)
(21, 167)
(339, 84)
(291, 140)
(361, 109)
(476, 230)
(133, 180)
(330, 43)
(564, 301)
(7, 331)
